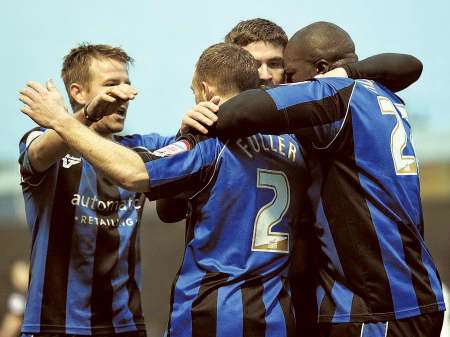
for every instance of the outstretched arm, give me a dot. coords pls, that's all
(49, 147)
(122, 165)
(296, 108)
(171, 176)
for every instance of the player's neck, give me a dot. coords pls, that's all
(224, 98)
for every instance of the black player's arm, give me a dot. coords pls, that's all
(255, 111)
(248, 113)
(394, 71)
(171, 209)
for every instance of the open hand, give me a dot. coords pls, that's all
(110, 100)
(43, 104)
(201, 115)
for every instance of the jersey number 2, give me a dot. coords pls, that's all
(403, 164)
(264, 238)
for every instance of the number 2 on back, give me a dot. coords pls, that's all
(264, 238)
(403, 164)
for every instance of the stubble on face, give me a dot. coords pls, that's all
(271, 62)
(105, 73)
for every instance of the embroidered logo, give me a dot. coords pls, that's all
(69, 161)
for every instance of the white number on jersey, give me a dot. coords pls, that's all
(264, 239)
(404, 165)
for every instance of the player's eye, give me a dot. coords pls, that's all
(276, 64)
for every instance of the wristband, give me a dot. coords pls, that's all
(89, 118)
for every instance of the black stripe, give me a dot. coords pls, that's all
(105, 258)
(193, 212)
(204, 307)
(172, 298)
(254, 311)
(195, 208)
(319, 112)
(419, 275)
(134, 257)
(177, 188)
(352, 229)
(54, 297)
(358, 305)
(327, 307)
(286, 306)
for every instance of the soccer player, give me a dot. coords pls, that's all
(377, 277)
(85, 255)
(242, 206)
(266, 41)
(221, 256)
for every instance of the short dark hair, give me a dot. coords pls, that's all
(326, 40)
(254, 30)
(76, 65)
(229, 67)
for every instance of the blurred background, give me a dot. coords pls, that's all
(166, 38)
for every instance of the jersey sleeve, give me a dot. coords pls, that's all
(395, 71)
(183, 174)
(315, 110)
(28, 174)
(151, 141)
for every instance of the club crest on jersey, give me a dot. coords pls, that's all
(69, 161)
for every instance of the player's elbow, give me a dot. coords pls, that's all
(133, 180)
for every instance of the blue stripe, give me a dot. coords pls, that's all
(320, 294)
(374, 329)
(186, 290)
(397, 270)
(182, 165)
(229, 309)
(288, 95)
(329, 248)
(123, 317)
(81, 265)
(275, 321)
(432, 276)
(32, 316)
(343, 300)
(137, 263)
(314, 193)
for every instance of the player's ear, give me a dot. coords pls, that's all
(207, 91)
(322, 66)
(77, 93)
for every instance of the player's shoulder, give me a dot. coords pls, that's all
(31, 135)
(377, 89)
(151, 141)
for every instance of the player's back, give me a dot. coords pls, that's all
(369, 216)
(233, 278)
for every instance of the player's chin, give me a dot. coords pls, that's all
(116, 127)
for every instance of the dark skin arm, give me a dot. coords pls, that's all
(395, 71)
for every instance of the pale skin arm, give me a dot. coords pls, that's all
(48, 148)
(122, 165)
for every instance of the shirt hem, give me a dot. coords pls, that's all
(383, 316)
(101, 330)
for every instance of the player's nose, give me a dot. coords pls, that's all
(264, 73)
